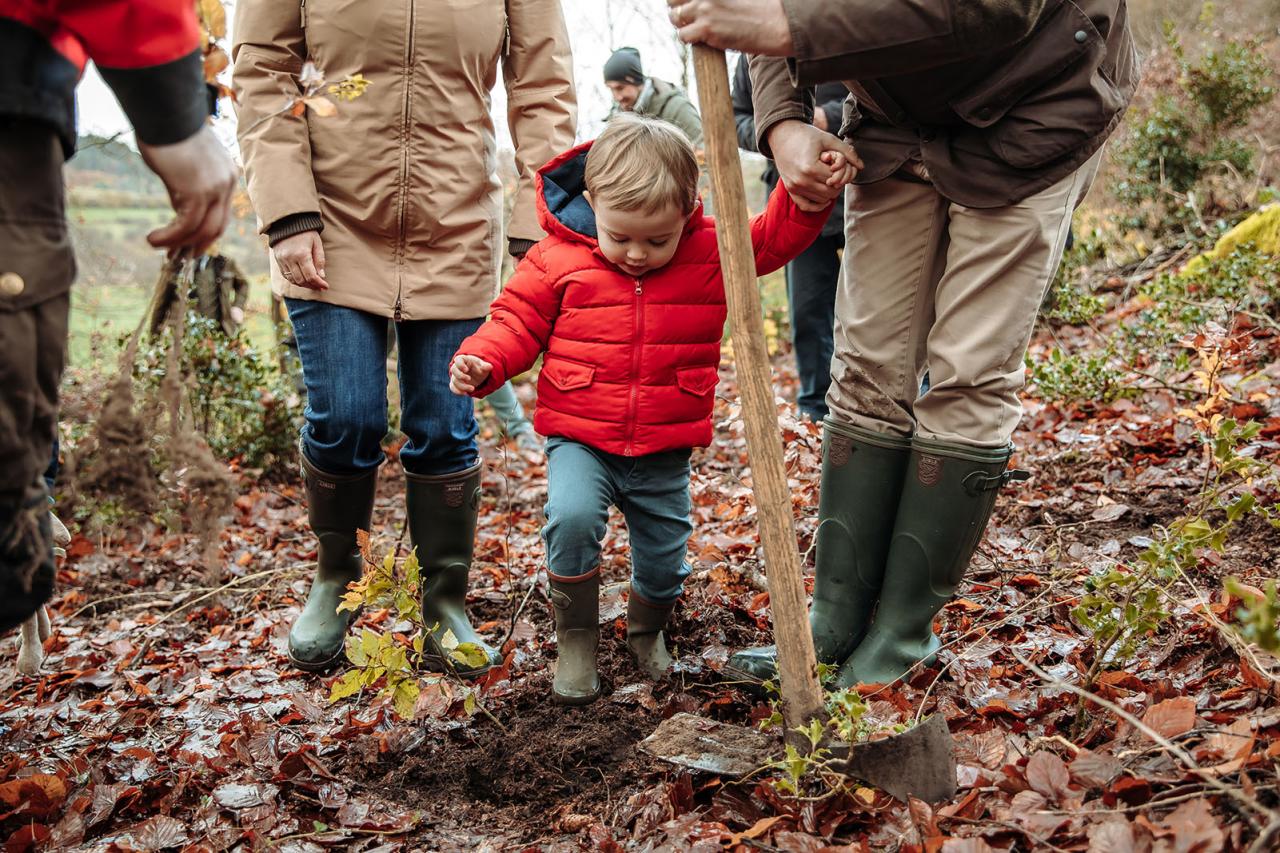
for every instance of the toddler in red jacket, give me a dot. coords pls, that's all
(625, 298)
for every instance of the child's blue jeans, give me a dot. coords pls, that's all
(652, 493)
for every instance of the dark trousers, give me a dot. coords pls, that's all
(811, 293)
(36, 269)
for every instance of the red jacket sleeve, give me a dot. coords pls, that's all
(148, 52)
(519, 324)
(783, 231)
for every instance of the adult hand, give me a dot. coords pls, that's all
(820, 119)
(751, 26)
(301, 260)
(797, 150)
(200, 178)
(467, 373)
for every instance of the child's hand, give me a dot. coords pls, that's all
(467, 373)
(842, 171)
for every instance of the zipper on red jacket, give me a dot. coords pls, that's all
(637, 342)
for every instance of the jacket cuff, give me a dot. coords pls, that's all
(167, 103)
(518, 247)
(290, 226)
(785, 113)
(806, 218)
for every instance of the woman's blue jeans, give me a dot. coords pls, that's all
(344, 366)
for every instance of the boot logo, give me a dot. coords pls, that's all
(841, 447)
(325, 484)
(453, 495)
(929, 470)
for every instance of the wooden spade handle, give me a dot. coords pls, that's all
(797, 664)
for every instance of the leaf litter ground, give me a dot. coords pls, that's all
(167, 716)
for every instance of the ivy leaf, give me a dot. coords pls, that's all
(448, 641)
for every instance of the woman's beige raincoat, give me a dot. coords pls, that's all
(403, 178)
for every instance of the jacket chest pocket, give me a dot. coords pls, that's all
(1049, 98)
(567, 375)
(698, 381)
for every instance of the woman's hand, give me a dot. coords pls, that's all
(798, 150)
(467, 373)
(301, 260)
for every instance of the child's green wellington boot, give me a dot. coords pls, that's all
(645, 621)
(576, 602)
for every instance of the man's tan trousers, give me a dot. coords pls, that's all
(932, 285)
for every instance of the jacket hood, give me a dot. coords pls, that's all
(562, 208)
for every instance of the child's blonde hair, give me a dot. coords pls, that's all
(642, 164)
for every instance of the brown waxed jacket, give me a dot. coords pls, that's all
(999, 98)
(403, 177)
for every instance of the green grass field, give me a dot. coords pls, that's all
(102, 314)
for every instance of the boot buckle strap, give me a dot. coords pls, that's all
(978, 481)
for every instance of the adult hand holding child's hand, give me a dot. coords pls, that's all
(842, 171)
(798, 149)
(467, 373)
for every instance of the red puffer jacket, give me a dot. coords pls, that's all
(630, 364)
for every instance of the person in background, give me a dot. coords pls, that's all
(812, 277)
(220, 291)
(148, 52)
(392, 211)
(515, 424)
(633, 92)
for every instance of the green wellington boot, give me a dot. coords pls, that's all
(442, 525)
(337, 506)
(862, 474)
(645, 621)
(576, 602)
(946, 503)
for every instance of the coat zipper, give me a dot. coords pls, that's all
(406, 113)
(637, 339)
